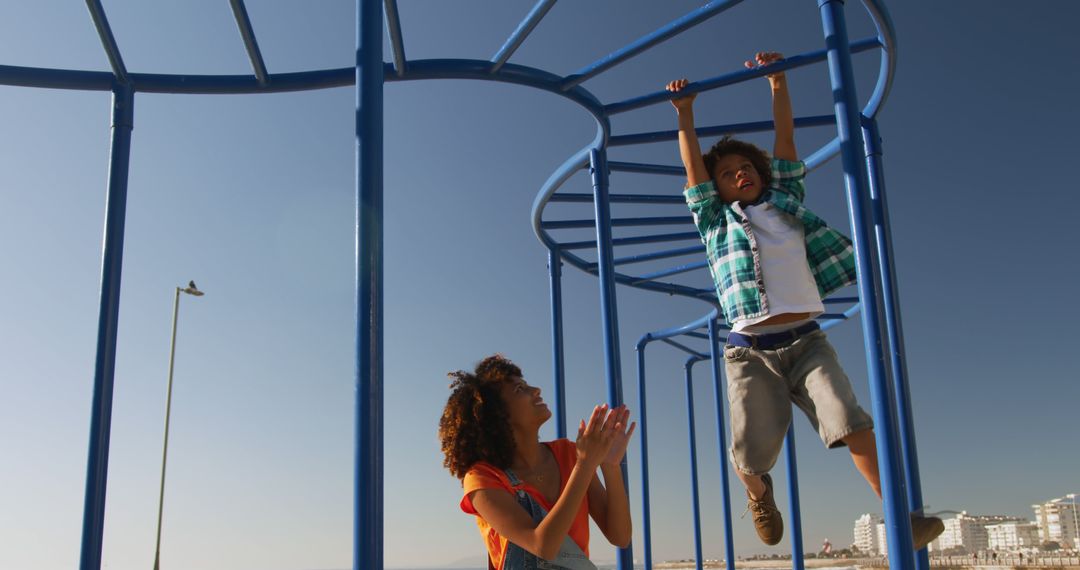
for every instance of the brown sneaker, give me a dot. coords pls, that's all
(767, 520)
(924, 530)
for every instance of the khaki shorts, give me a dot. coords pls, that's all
(762, 385)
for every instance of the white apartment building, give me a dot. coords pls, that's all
(1057, 521)
(866, 534)
(1012, 536)
(968, 533)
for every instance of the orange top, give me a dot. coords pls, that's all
(484, 475)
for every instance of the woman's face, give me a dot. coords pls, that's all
(524, 406)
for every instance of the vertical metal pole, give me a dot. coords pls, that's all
(557, 364)
(699, 564)
(890, 297)
(97, 468)
(368, 502)
(897, 524)
(643, 426)
(725, 482)
(165, 444)
(797, 552)
(608, 308)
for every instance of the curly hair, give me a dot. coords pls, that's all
(475, 425)
(728, 145)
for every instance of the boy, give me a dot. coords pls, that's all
(773, 261)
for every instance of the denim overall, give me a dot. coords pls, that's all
(570, 556)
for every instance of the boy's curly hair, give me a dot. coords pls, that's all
(474, 425)
(728, 145)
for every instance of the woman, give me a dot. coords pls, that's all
(532, 499)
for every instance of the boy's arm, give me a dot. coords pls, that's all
(783, 119)
(689, 148)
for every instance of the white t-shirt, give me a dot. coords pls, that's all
(781, 243)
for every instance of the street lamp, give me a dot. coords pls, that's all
(1076, 522)
(192, 290)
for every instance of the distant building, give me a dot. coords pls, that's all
(1013, 536)
(965, 534)
(882, 539)
(866, 535)
(1057, 521)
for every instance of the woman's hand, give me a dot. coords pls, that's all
(604, 439)
(594, 440)
(622, 436)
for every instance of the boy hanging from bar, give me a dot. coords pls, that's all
(773, 261)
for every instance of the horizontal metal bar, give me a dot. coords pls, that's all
(645, 168)
(618, 222)
(735, 77)
(718, 130)
(620, 198)
(685, 348)
(840, 300)
(675, 270)
(243, 22)
(636, 240)
(523, 30)
(697, 249)
(645, 42)
(393, 31)
(839, 316)
(108, 41)
(704, 336)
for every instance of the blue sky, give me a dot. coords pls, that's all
(252, 197)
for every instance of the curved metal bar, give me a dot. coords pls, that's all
(243, 22)
(672, 29)
(617, 222)
(887, 37)
(393, 29)
(644, 168)
(523, 30)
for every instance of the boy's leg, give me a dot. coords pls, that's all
(826, 396)
(760, 414)
(863, 449)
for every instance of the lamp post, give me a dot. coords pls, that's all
(1076, 523)
(192, 290)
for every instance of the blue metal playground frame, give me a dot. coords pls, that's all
(857, 142)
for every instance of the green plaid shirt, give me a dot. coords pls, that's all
(732, 249)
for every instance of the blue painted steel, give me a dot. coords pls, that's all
(636, 240)
(717, 353)
(557, 364)
(695, 249)
(718, 130)
(621, 198)
(368, 499)
(675, 270)
(695, 499)
(108, 41)
(643, 437)
(793, 500)
(523, 30)
(112, 259)
(890, 296)
(609, 314)
(683, 348)
(252, 45)
(615, 166)
(397, 46)
(898, 528)
(670, 30)
(617, 222)
(734, 77)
